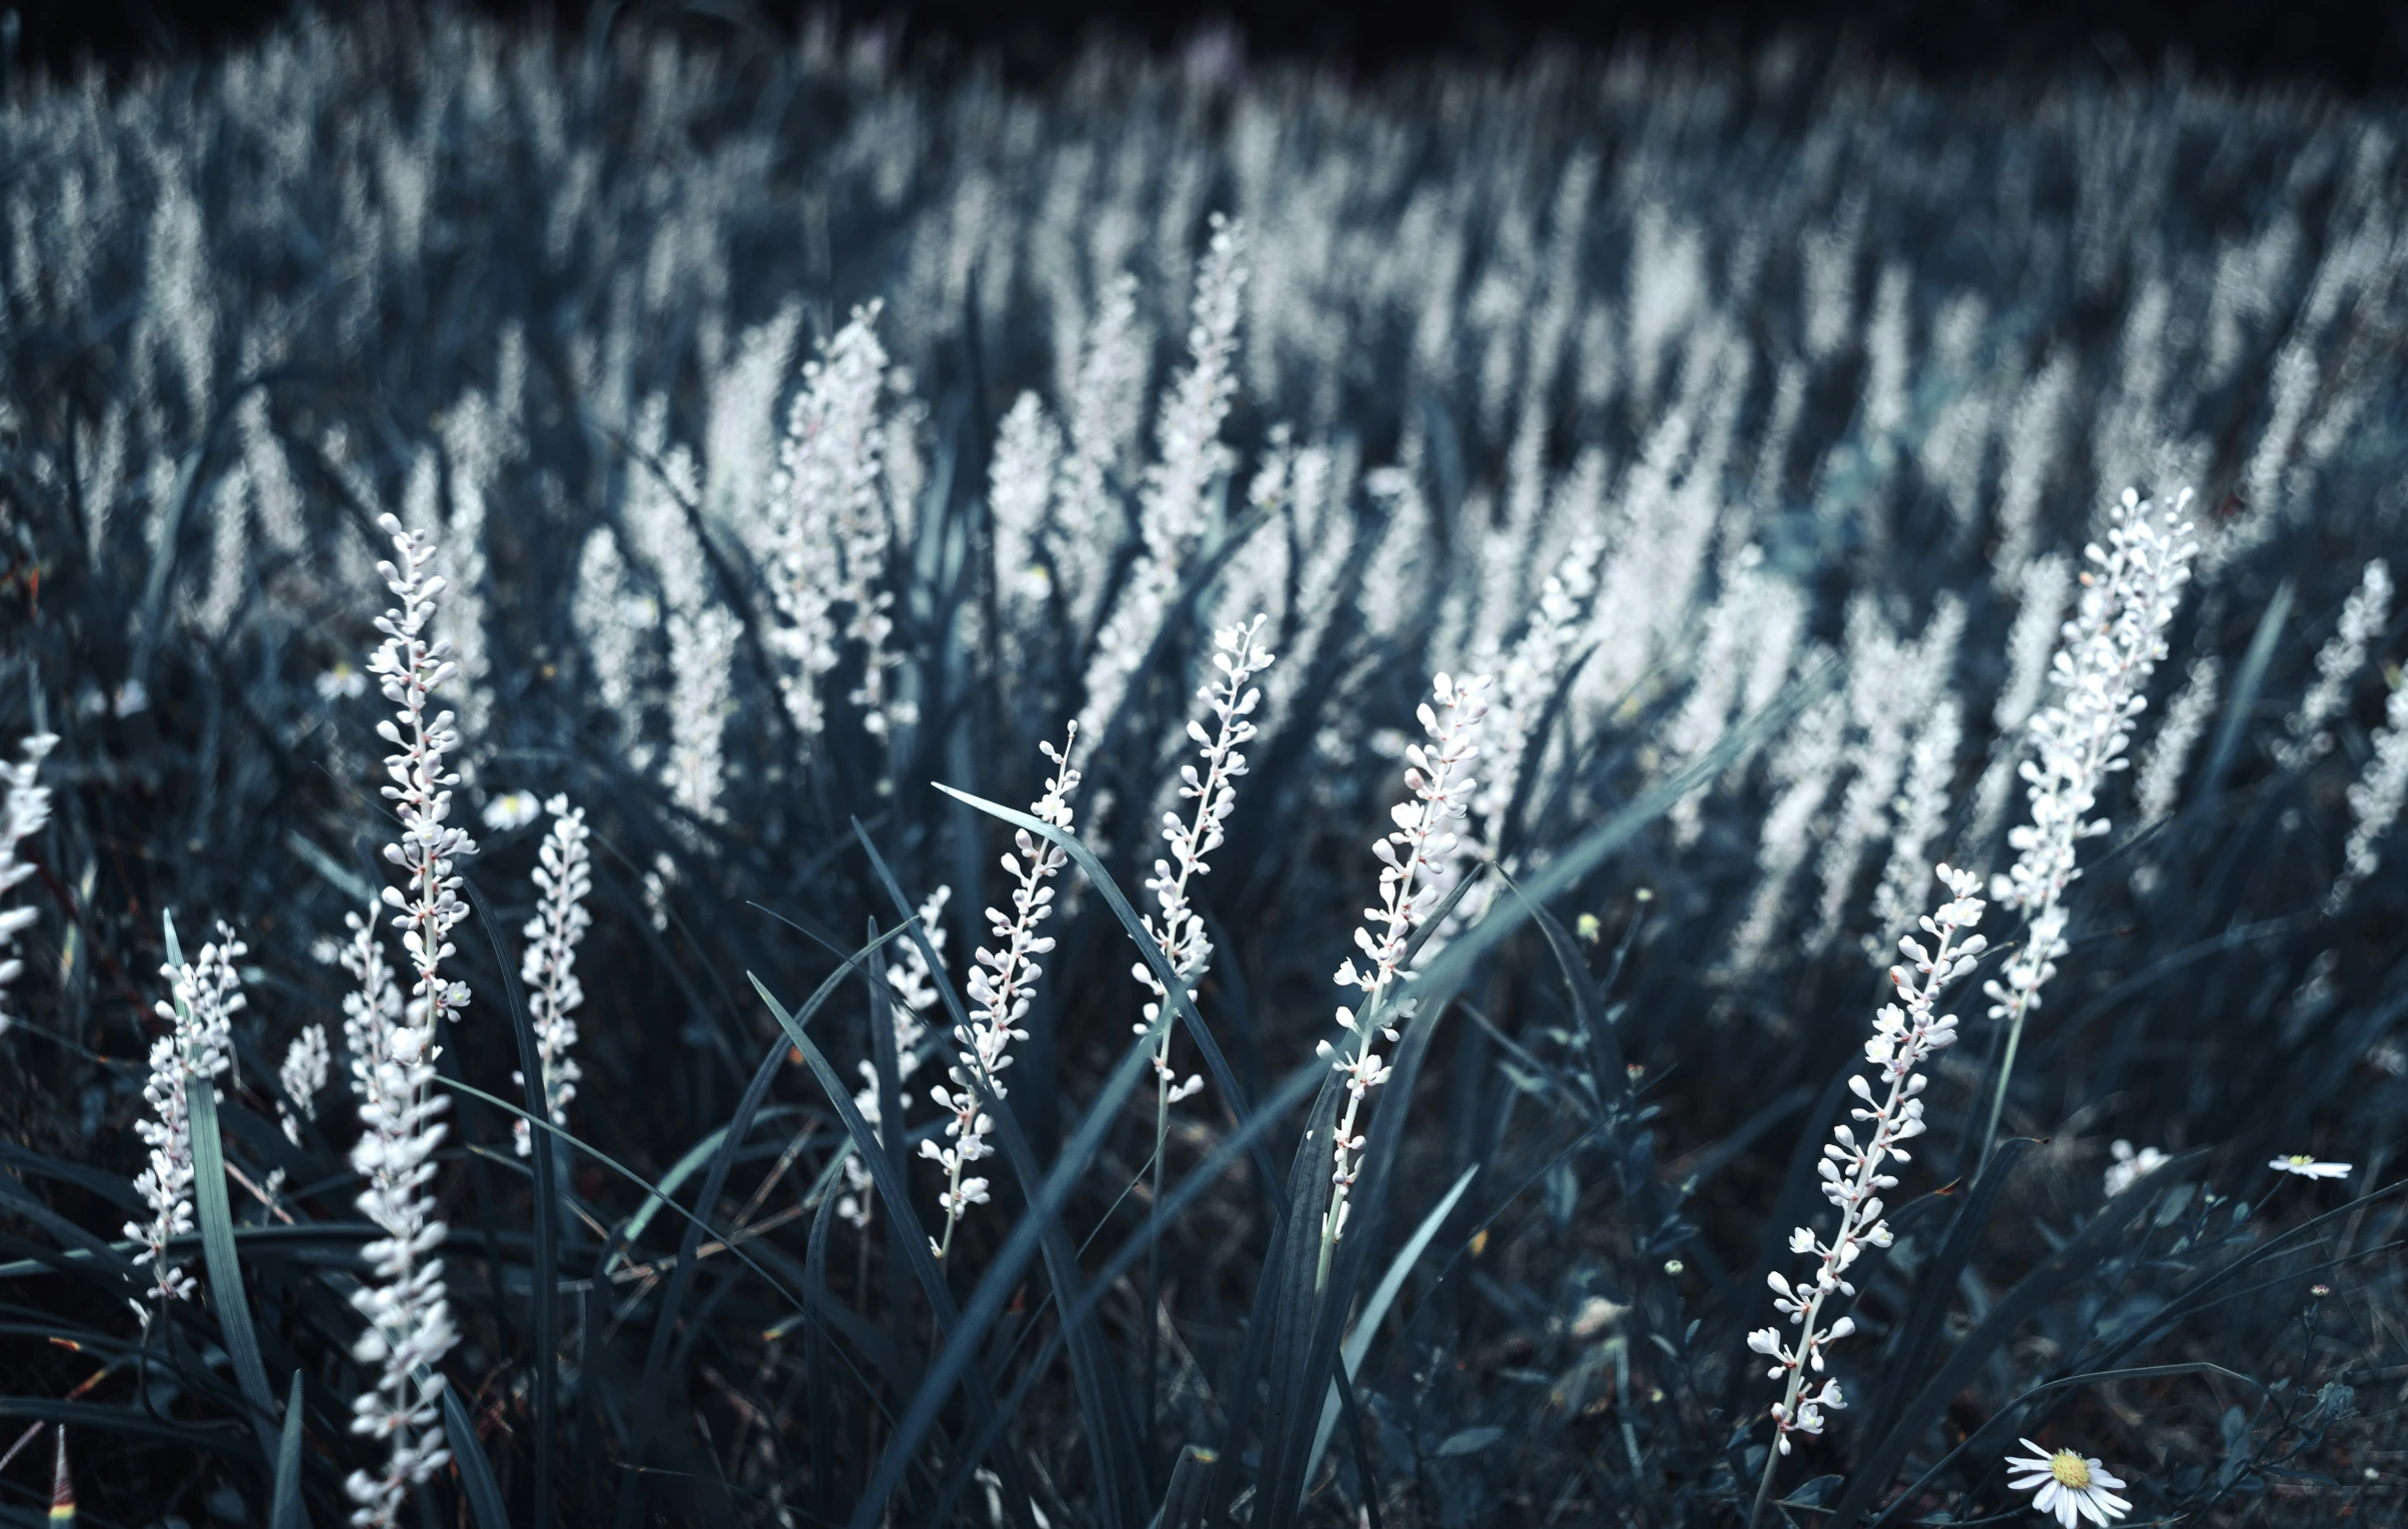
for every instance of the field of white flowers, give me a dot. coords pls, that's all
(694, 719)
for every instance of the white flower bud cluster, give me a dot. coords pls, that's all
(2157, 784)
(1889, 1113)
(1413, 883)
(914, 987)
(2337, 663)
(1000, 983)
(1020, 493)
(394, 1049)
(1238, 654)
(410, 667)
(825, 499)
(2374, 799)
(27, 812)
(563, 879)
(1172, 505)
(197, 1048)
(2102, 663)
(306, 1063)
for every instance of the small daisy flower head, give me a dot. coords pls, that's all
(2071, 1486)
(2308, 1168)
(512, 810)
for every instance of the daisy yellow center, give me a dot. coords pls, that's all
(2299, 1160)
(2069, 1470)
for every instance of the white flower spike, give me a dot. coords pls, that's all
(1905, 1034)
(2071, 1486)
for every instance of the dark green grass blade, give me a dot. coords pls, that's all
(216, 1220)
(2069, 1264)
(922, 1264)
(1225, 1154)
(1119, 1467)
(1610, 1084)
(995, 1285)
(623, 1170)
(135, 1422)
(85, 1252)
(287, 1511)
(820, 1395)
(886, 1076)
(1284, 1290)
(476, 1472)
(2245, 685)
(1295, 1416)
(680, 1278)
(1927, 1307)
(543, 1285)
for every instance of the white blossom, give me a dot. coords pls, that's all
(1888, 1113)
(824, 534)
(2130, 1167)
(1172, 517)
(912, 986)
(512, 810)
(1237, 656)
(1001, 984)
(564, 878)
(408, 1315)
(2337, 663)
(2109, 647)
(198, 1048)
(2071, 1486)
(2301, 1165)
(27, 812)
(1415, 865)
(306, 1062)
(2157, 784)
(2374, 799)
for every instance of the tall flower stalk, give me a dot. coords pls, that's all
(1238, 654)
(563, 879)
(1905, 1033)
(1412, 882)
(197, 1050)
(408, 1315)
(2102, 663)
(1001, 983)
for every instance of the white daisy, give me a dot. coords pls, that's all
(2070, 1486)
(513, 810)
(2308, 1168)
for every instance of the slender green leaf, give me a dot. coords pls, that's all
(895, 1193)
(216, 1220)
(1112, 1441)
(287, 1510)
(1376, 1310)
(1933, 1282)
(1225, 1154)
(542, 1287)
(476, 1473)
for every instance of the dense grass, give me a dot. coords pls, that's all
(1792, 377)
